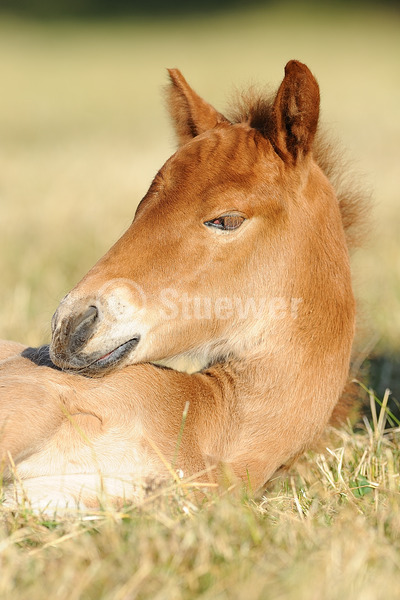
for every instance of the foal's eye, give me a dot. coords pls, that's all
(226, 222)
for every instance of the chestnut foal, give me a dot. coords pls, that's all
(215, 334)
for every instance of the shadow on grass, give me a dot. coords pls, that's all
(382, 372)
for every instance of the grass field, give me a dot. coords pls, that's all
(82, 132)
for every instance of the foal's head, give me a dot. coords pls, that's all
(237, 247)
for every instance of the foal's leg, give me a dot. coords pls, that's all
(8, 349)
(66, 440)
(68, 434)
(45, 442)
(30, 408)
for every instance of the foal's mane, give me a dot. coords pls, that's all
(255, 107)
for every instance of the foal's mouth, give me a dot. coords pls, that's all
(91, 366)
(115, 356)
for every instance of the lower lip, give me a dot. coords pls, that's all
(116, 355)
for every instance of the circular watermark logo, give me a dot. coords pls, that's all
(122, 294)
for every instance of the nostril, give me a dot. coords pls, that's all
(80, 329)
(86, 319)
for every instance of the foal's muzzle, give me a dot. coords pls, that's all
(71, 333)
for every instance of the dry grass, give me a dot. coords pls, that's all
(330, 529)
(82, 133)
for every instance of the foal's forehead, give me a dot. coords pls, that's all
(229, 158)
(223, 153)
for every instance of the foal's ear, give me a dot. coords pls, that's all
(190, 114)
(295, 112)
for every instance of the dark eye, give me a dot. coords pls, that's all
(226, 222)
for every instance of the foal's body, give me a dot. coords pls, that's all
(241, 211)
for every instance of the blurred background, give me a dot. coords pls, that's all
(83, 130)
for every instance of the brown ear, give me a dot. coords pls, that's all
(190, 114)
(295, 112)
